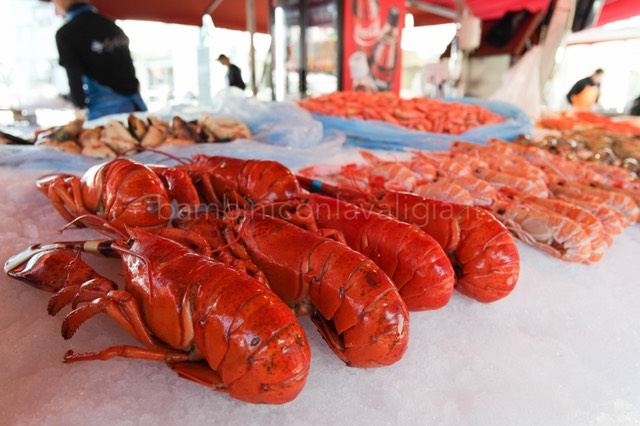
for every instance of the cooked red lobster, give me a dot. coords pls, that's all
(354, 305)
(484, 256)
(208, 322)
(242, 183)
(122, 191)
(414, 262)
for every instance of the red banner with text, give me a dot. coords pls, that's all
(371, 46)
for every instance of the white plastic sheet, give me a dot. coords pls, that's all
(521, 84)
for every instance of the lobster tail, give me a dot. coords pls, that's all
(483, 254)
(262, 354)
(416, 264)
(357, 309)
(487, 258)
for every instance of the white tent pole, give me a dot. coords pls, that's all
(251, 28)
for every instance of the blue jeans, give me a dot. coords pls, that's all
(102, 100)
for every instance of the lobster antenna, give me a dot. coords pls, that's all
(180, 160)
(414, 151)
(234, 238)
(64, 175)
(104, 224)
(348, 172)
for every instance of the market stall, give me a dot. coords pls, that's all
(560, 349)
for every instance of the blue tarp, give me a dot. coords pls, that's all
(373, 134)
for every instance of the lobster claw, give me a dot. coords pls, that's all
(49, 267)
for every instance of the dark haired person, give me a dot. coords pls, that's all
(234, 76)
(95, 54)
(585, 92)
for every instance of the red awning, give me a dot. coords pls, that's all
(230, 14)
(613, 10)
(616, 10)
(485, 10)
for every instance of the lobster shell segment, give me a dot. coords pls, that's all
(359, 312)
(243, 183)
(412, 259)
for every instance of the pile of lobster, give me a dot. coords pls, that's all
(220, 255)
(570, 209)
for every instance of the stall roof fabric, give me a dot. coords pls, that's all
(616, 10)
(230, 14)
(485, 10)
(613, 10)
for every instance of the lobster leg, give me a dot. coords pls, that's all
(179, 186)
(221, 240)
(75, 294)
(304, 217)
(65, 195)
(120, 306)
(127, 351)
(98, 290)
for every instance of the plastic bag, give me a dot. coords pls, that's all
(51, 159)
(521, 84)
(274, 123)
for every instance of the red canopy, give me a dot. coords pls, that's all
(616, 10)
(485, 10)
(613, 10)
(230, 14)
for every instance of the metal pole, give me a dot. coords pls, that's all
(302, 72)
(251, 28)
(213, 6)
(434, 9)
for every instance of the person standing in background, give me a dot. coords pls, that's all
(94, 51)
(234, 76)
(585, 92)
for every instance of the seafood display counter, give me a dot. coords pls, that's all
(560, 349)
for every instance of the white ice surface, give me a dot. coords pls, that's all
(562, 349)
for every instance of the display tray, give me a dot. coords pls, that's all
(375, 134)
(562, 349)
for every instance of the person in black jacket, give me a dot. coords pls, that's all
(234, 76)
(95, 54)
